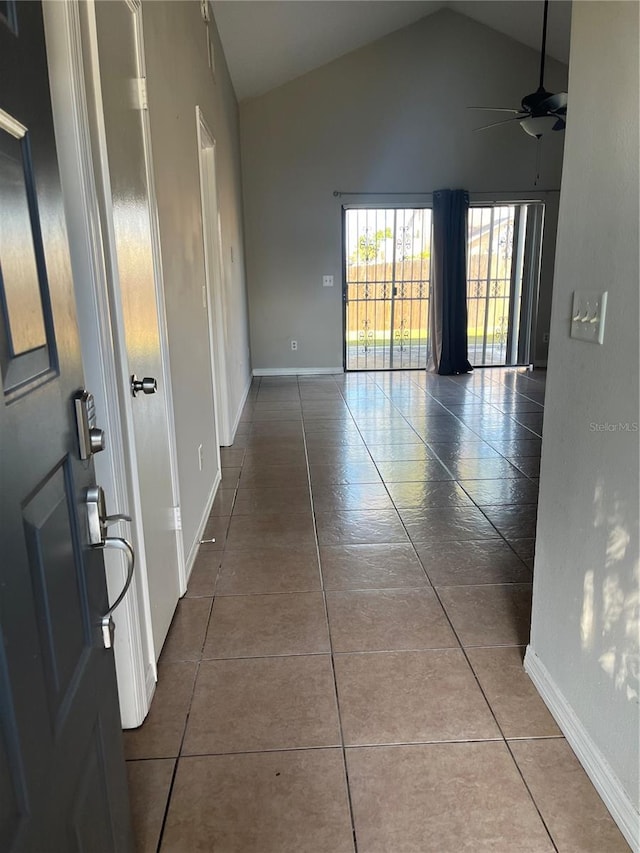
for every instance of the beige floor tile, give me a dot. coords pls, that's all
(232, 457)
(149, 783)
(188, 628)
(344, 473)
(491, 615)
(269, 500)
(442, 798)
(461, 563)
(371, 567)
(261, 625)
(510, 692)
(357, 496)
(279, 529)
(230, 477)
(264, 456)
(576, 816)
(273, 476)
(441, 524)
(215, 533)
(223, 502)
(202, 580)
(407, 697)
(360, 528)
(276, 802)
(374, 620)
(263, 704)
(268, 569)
(161, 733)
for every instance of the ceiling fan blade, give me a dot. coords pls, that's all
(498, 123)
(495, 109)
(555, 103)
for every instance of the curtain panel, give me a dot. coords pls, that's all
(448, 316)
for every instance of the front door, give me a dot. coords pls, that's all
(131, 268)
(62, 773)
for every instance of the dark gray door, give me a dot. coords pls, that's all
(62, 775)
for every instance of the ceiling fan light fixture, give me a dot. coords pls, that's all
(536, 126)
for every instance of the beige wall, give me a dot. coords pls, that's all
(585, 630)
(390, 117)
(178, 79)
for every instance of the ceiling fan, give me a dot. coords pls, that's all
(539, 111)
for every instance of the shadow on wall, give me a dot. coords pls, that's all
(610, 620)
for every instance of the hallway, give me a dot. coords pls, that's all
(345, 671)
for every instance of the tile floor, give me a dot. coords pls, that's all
(345, 671)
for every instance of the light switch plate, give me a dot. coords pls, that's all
(327, 281)
(588, 315)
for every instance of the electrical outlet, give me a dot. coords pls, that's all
(294, 345)
(200, 457)
(545, 338)
(327, 281)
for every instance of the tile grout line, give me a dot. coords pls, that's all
(469, 664)
(195, 678)
(333, 654)
(332, 657)
(184, 732)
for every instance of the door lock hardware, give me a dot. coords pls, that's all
(106, 620)
(99, 521)
(90, 437)
(148, 385)
(97, 516)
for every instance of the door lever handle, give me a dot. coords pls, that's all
(97, 517)
(112, 519)
(106, 621)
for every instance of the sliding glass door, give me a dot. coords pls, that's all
(387, 281)
(503, 266)
(386, 290)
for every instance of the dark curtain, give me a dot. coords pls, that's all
(448, 323)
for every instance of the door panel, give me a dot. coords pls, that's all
(133, 270)
(57, 682)
(387, 281)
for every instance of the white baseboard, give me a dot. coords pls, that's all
(150, 684)
(589, 755)
(195, 546)
(295, 371)
(243, 400)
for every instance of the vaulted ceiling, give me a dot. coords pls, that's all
(269, 42)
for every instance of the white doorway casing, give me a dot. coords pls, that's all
(73, 61)
(214, 297)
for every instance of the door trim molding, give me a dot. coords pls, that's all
(135, 664)
(214, 276)
(163, 328)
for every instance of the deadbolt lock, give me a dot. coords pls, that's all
(148, 385)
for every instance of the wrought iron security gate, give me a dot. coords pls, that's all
(503, 260)
(386, 288)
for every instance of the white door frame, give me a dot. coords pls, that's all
(214, 276)
(69, 44)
